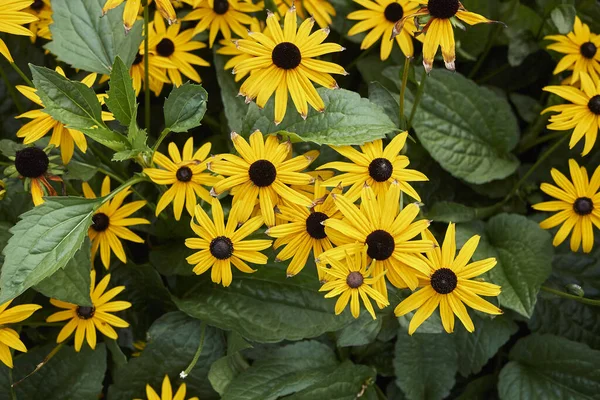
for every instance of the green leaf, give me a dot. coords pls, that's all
(121, 100)
(563, 17)
(68, 375)
(185, 107)
(348, 119)
(173, 340)
(234, 106)
(75, 105)
(137, 141)
(468, 129)
(43, 242)
(425, 365)
(8, 148)
(284, 371)
(550, 367)
(71, 283)
(475, 349)
(482, 388)
(85, 41)
(447, 211)
(360, 332)
(524, 254)
(265, 306)
(80, 171)
(225, 369)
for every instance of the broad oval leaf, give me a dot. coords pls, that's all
(348, 119)
(468, 129)
(121, 100)
(44, 241)
(185, 107)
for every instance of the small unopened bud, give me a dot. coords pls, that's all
(575, 290)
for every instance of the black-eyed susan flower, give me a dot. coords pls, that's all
(175, 46)
(220, 245)
(132, 10)
(583, 113)
(166, 392)
(62, 137)
(379, 18)
(376, 167)
(581, 52)
(185, 172)
(222, 16)
(304, 233)
(264, 171)
(84, 320)
(439, 17)
(110, 222)
(42, 9)
(12, 18)
(386, 232)
(449, 284)
(9, 338)
(230, 48)
(577, 206)
(321, 10)
(157, 76)
(284, 62)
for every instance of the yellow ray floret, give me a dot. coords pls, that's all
(12, 19)
(9, 338)
(166, 392)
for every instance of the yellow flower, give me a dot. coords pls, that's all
(583, 113)
(9, 338)
(167, 392)
(110, 222)
(581, 49)
(156, 75)
(442, 15)
(176, 46)
(376, 167)
(320, 10)
(222, 16)
(283, 61)
(12, 19)
(230, 48)
(220, 245)
(185, 175)
(262, 171)
(132, 10)
(385, 232)
(448, 284)
(351, 280)
(304, 231)
(578, 206)
(42, 9)
(85, 320)
(62, 137)
(33, 165)
(380, 18)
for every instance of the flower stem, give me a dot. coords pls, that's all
(146, 66)
(405, 71)
(13, 394)
(12, 91)
(125, 185)
(162, 137)
(25, 78)
(187, 371)
(40, 365)
(583, 300)
(418, 98)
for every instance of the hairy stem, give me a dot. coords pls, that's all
(405, 71)
(146, 66)
(187, 371)
(418, 98)
(583, 300)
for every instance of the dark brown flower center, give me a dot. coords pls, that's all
(221, 6)
(286, 55)
(184, 174)
(31, 162)
(37, 5)
(381, 245)
(221, 248)
(588, 50)
(583, 206)
(165, 47)
(381, 169)
(100, 222)
(315, 229)
(85, 312)
(355, 279)
(594, 104)
(262, 173)
(443, 9)
(138, 59)
(444, 281)
(394, 12)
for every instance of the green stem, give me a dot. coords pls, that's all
(418, 98)
(212, 123)
(541, 140)
(146, 66)
(12, 91)
(583, 300)
(486, 51)
(357, 59)
(110, 174)
(380, 394)
(405, 71)
(124, 185)
(187, 371)
(25, 78)
(40, 365)
(13, 394)
(162, 137)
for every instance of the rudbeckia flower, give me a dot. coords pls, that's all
(577, 206)
(12, 18)
(132, 10)
(263, 171)
(42, 9)
(185, 172)
(583, 113)
(157, 76)
(380, 17)
(449, 284)
(230, 48)
(33, 165)
(9, 338)
(84, 320)
(321, 10)
(167, 392)
(220, 245)
(110, 222)
(581, 52)
(283, 62)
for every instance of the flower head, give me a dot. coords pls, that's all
(230, 48)
(132, 10)
(12, 18)
(167, 392)
(36, 168)
(9, 338)
(84, 320)
(448, 284)
(577, 206)
(42, 9)
(321, 10)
